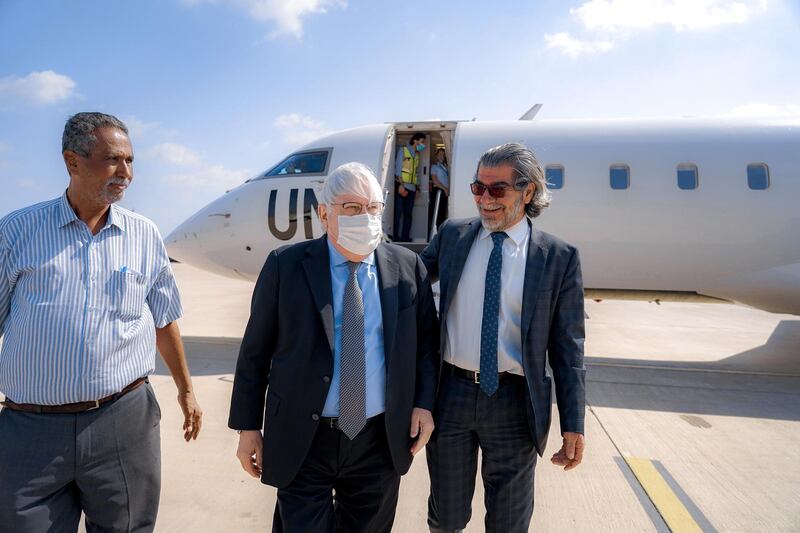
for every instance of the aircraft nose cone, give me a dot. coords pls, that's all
(182, 244)
(186, 243)
(204, 240)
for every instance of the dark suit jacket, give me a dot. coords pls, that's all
(552, 318)
(287, 352)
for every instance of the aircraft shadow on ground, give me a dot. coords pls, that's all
(207, 356)
(762, 382)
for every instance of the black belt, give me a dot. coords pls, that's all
(473, 376)
(332, 422)
(71, 408)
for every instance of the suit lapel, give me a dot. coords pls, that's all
(388, 278)
(318, 273)
(534, 270)
(462, 248)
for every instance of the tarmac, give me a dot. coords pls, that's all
(692, 424)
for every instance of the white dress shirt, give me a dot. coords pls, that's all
(463, 345)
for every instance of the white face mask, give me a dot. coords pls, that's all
(359, 234)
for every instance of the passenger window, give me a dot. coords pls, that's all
(687, 176)
(619, 176)
(300, 164)
(758, 176)
(554, 175)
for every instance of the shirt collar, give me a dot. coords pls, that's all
(519, 232)
(338, 259)
(66, 214)
(115, 217)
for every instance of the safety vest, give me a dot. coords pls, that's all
(410, 163)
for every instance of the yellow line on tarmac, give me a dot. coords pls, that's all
(669, 506)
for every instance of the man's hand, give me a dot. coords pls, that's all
(249, 452)
(192, 415)
(571, 453)
(421, 428)
(401, 190)
(170, 346)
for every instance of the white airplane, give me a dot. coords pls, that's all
(660, 210)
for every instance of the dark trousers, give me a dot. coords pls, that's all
(104, 462)
(403, 208)
(466, 419)
(359, 473)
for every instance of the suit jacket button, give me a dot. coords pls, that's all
(326, 379)
(315, 417)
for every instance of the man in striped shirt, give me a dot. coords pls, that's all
(86, 296)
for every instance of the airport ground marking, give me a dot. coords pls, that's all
(759, 373)
(674, 513)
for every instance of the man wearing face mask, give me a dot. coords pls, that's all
(406, 173)
(338, 366)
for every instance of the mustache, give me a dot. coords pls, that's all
(118, 181)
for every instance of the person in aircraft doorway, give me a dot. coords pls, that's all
(406, 174)
(440, 181)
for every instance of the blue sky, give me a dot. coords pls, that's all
(215, 91)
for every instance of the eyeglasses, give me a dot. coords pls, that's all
(497, 190)
(352, 209)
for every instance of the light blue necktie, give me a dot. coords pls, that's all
(491, 310)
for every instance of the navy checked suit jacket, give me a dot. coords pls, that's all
(552, 318)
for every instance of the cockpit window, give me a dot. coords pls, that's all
(311, 163)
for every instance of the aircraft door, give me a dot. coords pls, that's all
(387, 162)
(386, 178)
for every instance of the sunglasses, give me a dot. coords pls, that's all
(498, 190)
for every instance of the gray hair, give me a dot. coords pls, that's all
(79, 131)
(354, 178)
(527, 168)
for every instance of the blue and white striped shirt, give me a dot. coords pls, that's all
(78, 311)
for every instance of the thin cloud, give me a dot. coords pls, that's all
(38, 88)
(298, 129)
(287, 15)
(763, 110)
(618, 20)
(614, 15)
(138, 128)
(573, 47)
(174, 154)
(216, 177)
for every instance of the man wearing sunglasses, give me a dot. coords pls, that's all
(341, 346)
(511, 300)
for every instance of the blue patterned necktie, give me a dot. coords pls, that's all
(352, 387)
(491, 310)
